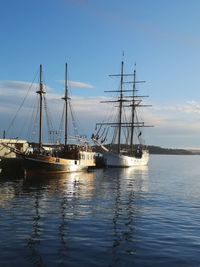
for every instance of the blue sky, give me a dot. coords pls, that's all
(162, 37)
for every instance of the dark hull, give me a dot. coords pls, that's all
(11, 167)
(50, 164)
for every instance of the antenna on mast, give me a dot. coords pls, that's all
(123, 55)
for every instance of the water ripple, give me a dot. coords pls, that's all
(130, 217)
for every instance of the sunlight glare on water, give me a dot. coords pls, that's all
(114, 217)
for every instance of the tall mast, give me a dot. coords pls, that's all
(133, 113)
(120, 107)
(66, 98)
(134, 102)
(40, 92)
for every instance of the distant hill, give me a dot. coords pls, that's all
(160, 150)
(195, 151)
(168, 151)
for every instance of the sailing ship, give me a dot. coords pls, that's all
(123, 151)
(67, 158)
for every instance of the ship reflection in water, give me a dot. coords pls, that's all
(59, 196)
(107, 217)
(74, 219)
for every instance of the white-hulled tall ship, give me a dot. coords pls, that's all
(123, 151)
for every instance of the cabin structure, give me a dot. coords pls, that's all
(6, 152)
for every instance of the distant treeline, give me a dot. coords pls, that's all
(168, 151)
(157, 150)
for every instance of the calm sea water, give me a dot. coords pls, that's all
(130, 217)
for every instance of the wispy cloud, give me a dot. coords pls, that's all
(76, 84)
(11, 87)
(173, 123)
(191, 107)
(187, 107)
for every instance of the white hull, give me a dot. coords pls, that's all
(119, 160)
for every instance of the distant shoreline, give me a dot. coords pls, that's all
(164, 151)
(171, 151)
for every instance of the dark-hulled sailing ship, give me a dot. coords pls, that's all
(65, 158)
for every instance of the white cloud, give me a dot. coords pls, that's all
(76, 84)
(13, 87)
(191, 107)
(187, 107)
(8, 88)
(174, 124)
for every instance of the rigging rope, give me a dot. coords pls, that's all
(61, 125)
(104, 139)
(139, 133)
(48, 120)
(126, 130)
(22, 103)
(73, 120)
(31, 125)
(35, 123)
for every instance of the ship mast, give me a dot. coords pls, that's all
(133, 113)
(120, 108)
(124, 100)
(66, 98)
(40, 92)
(119, 124)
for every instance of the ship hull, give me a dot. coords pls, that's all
(118, 160)
(45, 164)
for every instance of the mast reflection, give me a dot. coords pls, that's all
(128, 184)
(69, 191)
(35, 236)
